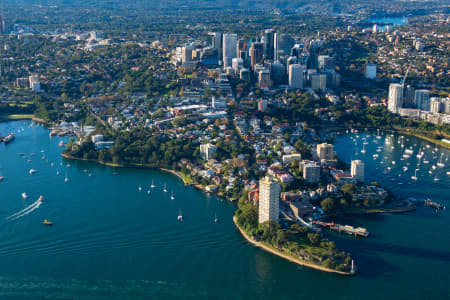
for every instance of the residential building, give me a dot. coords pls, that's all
(422, 99)
(269, 200)
(207, 151)
(325, 151)
(395, 98)
(371, 71)
(311, 173)
(357, 170)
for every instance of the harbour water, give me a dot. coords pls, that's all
(111, 241)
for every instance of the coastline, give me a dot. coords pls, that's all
(288, 257)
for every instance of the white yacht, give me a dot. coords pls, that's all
(171, 196)
(24, 195)
(180, 216)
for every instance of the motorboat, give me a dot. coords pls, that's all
(32, 171)
(48, 223)
(24, 195)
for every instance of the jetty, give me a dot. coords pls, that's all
(358, 231)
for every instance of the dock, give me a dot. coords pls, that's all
(358, 231)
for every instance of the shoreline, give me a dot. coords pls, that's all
(288, 257)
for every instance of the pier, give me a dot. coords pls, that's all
(359, 231)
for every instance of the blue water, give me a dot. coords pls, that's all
(110, 241)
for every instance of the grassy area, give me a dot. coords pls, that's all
(16, 117)
(186, 178)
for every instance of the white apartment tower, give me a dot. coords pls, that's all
(395, 98)
(269, 200)
(357, 170)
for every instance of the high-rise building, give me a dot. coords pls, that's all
(35, 85)
(256, 54)
(422, 99)
(241, 45)
(217, 43)
(325, 151)
(207, 151)
(357, 170)
(277, 71)
(371, 71)
(437, 105)
(283, 44)
(2, 24)
(229, 48)
(269, 47)
(318, 81)
(409, 97)
(311, 173)
(325, 62)
(269, 200)
(296, 76)
(395, 98)
(264, 80)
(186, 54)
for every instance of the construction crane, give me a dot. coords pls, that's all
(404, 78)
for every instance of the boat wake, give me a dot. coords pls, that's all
(30, 208)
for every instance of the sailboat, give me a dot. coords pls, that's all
(180, 216)
(215, 218)
(165, 189)
(66, 179)
(363, 151)
(171, 196)
(415, 175)
(153, 185)
(440, 163)
(140, 188)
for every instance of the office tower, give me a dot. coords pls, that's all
(318, 81)
(422, 99)
(395, 98)
(325, 62)
(256, 54)
(241, 46)
(269, 200)
(207, 151)
(277, 71)
(269, 47)
(297, 50)
(409, 97)
(264, 80)
(311, 172)
(237, 64)
(186, 54)
(296, 76)
(371, 71)
(217, 43)
(283, 44)
(229, 48)
(2, 24)
(244, 74)
(325, 151)
(357, 170)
